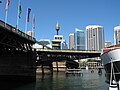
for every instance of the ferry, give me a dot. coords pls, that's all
(111, 55)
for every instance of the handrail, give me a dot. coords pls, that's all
(16, 31)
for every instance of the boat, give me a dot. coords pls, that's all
(73, 71)
(113, 84)
(108, 55)
(86, 67)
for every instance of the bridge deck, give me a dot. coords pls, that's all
(9, 28)
(69, 51)
(11, 37)
(66, 54)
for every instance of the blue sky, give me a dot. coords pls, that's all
(70, 14)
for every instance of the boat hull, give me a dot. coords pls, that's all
(116, 66)
(114, 57)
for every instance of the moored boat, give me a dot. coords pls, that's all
(108, 55)
(73, 71)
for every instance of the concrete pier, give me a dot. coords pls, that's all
(18, 65)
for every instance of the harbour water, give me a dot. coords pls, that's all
(61, 81)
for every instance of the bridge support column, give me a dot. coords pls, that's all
(57, 66)
(42, 70)
(51, 68)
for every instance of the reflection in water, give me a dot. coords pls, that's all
(59, 81)
(89, 81)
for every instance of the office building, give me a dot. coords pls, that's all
(117, 35)
(79, 39)
(95, 37)
(71, 41)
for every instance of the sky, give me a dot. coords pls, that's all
(70, 14)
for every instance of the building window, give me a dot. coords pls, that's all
(60, 38)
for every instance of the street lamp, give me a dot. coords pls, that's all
(0, 1)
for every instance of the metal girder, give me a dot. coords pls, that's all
(65, 56)
(12, 41)
(10, 37)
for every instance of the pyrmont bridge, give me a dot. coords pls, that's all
(18, 60)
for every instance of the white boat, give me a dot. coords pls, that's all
(86, 67)
(73, 71)
(108, 55)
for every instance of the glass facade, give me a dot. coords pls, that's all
(79, 38)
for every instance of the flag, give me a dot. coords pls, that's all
(7, 4)
(28, 14)
(33, 22)
(19, 10)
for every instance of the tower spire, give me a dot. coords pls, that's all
(57, 27)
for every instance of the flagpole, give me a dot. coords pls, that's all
(33, 25)
(6, 17)
(26, 22)
(17, 15)
(7, 4)
(33, 30)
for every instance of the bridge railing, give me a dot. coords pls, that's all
(75, 51)
(16, 31)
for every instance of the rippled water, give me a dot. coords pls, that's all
(59, 81)
(89, 81)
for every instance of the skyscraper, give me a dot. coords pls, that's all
(71, 41)
(79, 39)
(95, 37)
(117, 35)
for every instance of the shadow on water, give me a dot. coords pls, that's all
(15, 85)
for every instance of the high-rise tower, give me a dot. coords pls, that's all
(71, 41)
(117, 35)
(79, 39)
(59, 42)
(95, 37)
